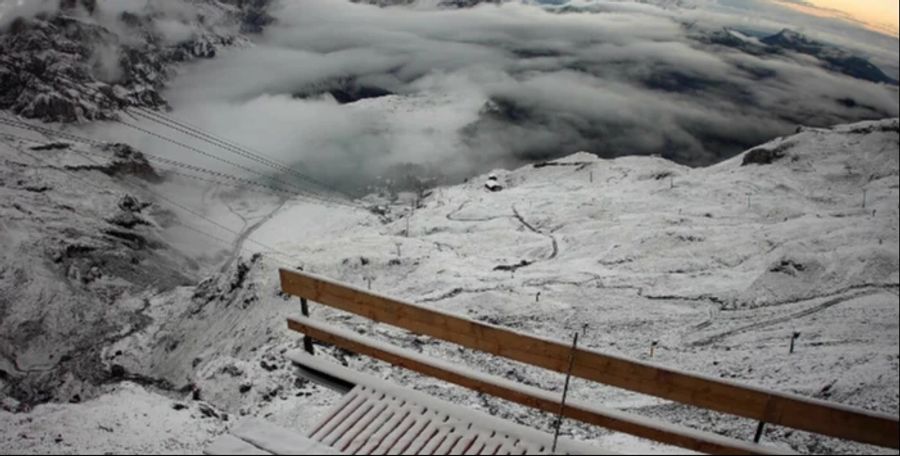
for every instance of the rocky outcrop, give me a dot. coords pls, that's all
(80, 249)
(75, 66)
(765, 155)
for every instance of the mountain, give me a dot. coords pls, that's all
(76, 64)
(787, 41)
(720, 265)
(139, 305)
(834, 58)
(440, 3)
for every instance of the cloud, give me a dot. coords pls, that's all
(499, 85)
(12, 9)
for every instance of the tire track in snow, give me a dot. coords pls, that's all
(246, 232)
(793, 316)
(454, 218)
(531, 228)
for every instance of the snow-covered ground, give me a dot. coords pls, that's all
(719, 266)
(127, 419)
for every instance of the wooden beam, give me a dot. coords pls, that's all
(728, 397)
(683, 437)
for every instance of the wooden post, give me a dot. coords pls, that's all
(562, 404)
(537, 297)
(653, 347)
(794, 337)
(412, 208)
(759, 431)
(307, 341)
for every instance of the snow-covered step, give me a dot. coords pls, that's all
(377, 417)
(256, 436)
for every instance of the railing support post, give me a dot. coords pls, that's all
(562, 404)
(307, 341)
(759, 430)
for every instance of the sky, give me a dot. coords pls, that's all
(879, 15)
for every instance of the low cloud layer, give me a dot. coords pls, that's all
(490, 86)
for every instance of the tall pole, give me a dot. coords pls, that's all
(562, 404)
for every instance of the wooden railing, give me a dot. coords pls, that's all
(763, 405)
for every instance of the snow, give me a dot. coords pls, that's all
(405, 403)
(127, 419)
(637, 250)
(719, 265)
(278, 440)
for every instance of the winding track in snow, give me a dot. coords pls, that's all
(553, 241)
(842, 296)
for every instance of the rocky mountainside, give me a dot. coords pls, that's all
(83, 63)
(86, 233)
(789, 41)
(82, 242)
(835, 58)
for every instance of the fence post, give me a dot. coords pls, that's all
(794, 337)
(759, 431)
(307, 341)
(562, 404)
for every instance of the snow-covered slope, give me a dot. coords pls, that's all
(718, 265)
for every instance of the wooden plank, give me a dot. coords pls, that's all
(277, 440)
(714, 394)
(427, 434)
(528, 396)
(376, 422)
(227, 444)
(497, 426)
(341, 414)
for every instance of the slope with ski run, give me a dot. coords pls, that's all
(719, 266)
